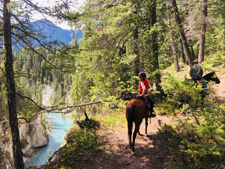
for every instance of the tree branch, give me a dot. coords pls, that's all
(25, 97)
(39, 9)
(23, 118)
(24, 30)
(6, 121)
(29, 35)
(66, 108)
(54, 12)
(35, 51)
(3, 71)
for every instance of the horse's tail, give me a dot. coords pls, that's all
(130, 118)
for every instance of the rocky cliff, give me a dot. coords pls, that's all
(32, 135)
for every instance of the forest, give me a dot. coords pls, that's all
(120, 39)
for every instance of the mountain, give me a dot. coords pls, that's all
(53, 32)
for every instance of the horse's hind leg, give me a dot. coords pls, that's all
(130, 126)
(136, 130)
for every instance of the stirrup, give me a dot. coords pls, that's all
(152, 115)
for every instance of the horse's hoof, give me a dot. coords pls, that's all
(140, 134)
(133, 153)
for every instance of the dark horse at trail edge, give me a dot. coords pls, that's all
(205, 80)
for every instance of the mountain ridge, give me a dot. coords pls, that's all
(54, 32)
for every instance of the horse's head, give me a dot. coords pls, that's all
(212, 77)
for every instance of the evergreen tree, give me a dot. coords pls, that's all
(10, 86)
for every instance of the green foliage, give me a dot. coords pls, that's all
(198, 138)
(81, 145)
(193, 146)
(203, 145)
(3, 102)
(179, 91)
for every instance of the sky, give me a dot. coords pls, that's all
(63, 25)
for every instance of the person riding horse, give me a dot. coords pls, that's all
(196, 73)
(143, 92)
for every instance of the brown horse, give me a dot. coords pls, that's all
(136, 110)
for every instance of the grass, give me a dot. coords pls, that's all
(112, 119)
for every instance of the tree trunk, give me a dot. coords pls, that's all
(155, 47)
(175, 58)
(10, 86)
(203, 31)
(193, 53)
(136, 51)
(182, 34)
(154, 37)
(182, 52)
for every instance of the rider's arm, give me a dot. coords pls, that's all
(143, 87)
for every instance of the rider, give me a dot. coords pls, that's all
(196, 73)
(143, 91)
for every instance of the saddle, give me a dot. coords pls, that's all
(144, 100)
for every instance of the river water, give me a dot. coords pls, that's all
(60, 126)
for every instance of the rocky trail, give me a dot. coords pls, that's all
(118, 156)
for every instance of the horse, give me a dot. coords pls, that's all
(211, 77)
(136, 111)
(204, 82)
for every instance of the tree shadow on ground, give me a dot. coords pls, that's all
(149, 154)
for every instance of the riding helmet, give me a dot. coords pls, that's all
(142, 74)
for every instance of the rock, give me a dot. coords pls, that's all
(32, 135)
(5, 161)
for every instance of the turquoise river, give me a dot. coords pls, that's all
(60, 126)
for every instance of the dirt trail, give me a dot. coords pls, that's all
(219, 89)
(117, 156)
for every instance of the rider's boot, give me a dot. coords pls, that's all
(151, 111)
(151, 114)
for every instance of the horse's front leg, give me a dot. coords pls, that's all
(146, 126)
